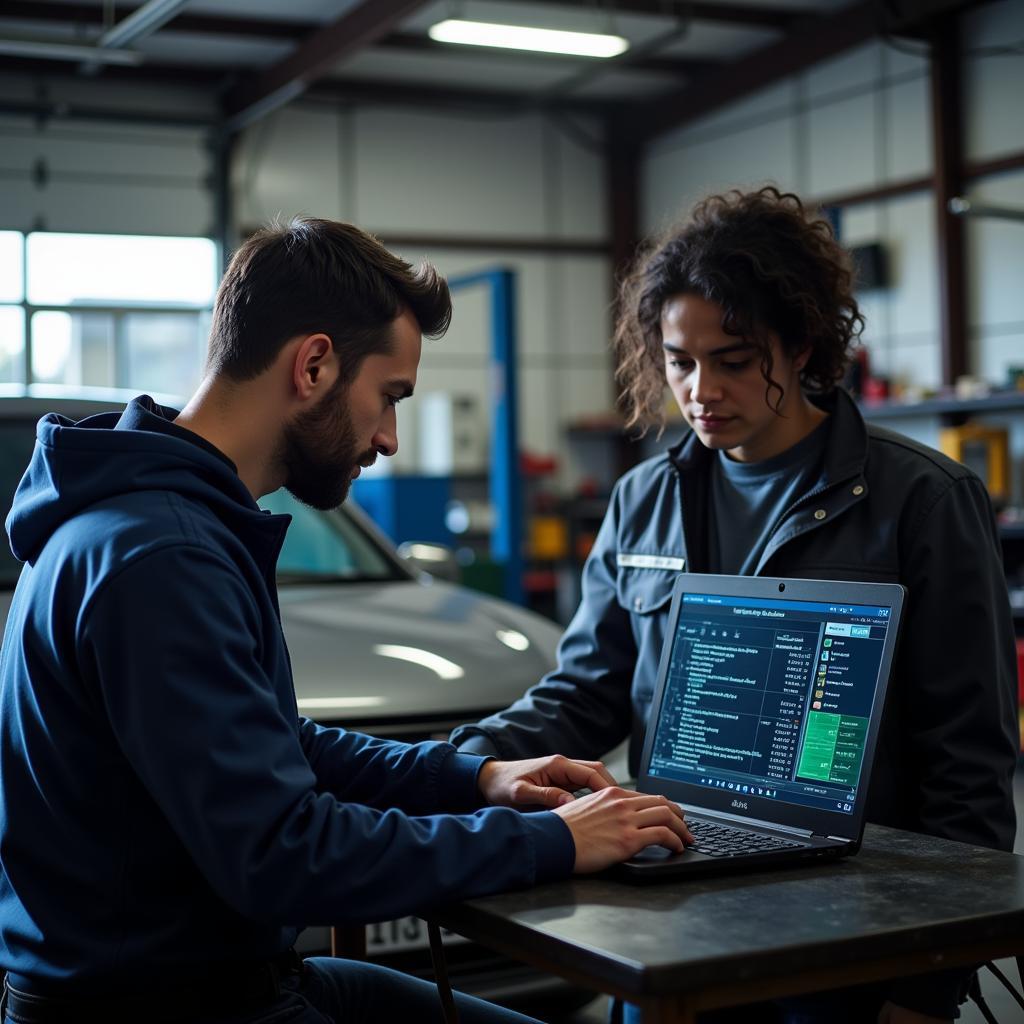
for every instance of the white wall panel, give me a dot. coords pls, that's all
(667, 189)
(421, 172)
(843, 141)
(996, 255)
(581, 206)
(532, 294)
(469, 334)
(587, 390)
(673, 181)
(879, 351)
(915, 364)
(413, 172)
(993, 88)
(540, 417)
(908, 130)
(993, 85)
(875, 307)
(584, 294)
(901, 61)
(105, 178)
(914, 267)
(113, 207)
(552, 396)
(438, 373)
(993, 355)
(289, 164)
(140, 97)
(859, 224)
(95, 148)
(770, 104)
(858, 68)
(564, 365)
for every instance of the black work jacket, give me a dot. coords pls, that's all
(884, 509)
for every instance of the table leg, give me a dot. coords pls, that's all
(668, 1010)
(349, 941)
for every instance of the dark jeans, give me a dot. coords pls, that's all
(335, 991)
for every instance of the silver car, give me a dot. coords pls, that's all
(377, 645)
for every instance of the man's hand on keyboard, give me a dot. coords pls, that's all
(540, 781)
(614, 824)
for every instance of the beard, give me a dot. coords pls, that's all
(320, 452)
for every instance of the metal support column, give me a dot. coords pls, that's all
(506, 485)
(947, 133)
(622, 163)
(222, 144)
(506, 490)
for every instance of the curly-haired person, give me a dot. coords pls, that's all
(746, 313)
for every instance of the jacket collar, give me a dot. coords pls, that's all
(844, 458)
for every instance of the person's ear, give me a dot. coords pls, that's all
(314, 367)
(801, 359)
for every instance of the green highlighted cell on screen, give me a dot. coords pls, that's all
(833, 748)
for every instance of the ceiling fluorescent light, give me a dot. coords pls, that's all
(519, 37)
(45, 50)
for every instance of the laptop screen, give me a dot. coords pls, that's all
(770, 698)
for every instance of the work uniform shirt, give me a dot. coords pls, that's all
(752, 498)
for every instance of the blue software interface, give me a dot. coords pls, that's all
(770, 698)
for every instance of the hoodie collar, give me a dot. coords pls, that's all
(98, 459)
(144, 414)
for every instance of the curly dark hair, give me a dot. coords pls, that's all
(772, 266)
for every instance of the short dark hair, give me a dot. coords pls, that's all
(771, 264)
(306, 276)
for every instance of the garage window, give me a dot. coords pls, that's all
(12, 317)
(129, 311)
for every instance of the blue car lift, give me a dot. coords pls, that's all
(505, 483)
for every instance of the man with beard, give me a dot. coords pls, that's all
(167, 819)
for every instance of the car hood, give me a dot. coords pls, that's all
(351, 645)
(408, 650)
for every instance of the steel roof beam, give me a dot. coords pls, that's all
(701, 10)
(357, 28)
(219, 24)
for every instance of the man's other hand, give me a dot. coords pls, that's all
(614, 824)
(893, 1014)
(541, 781)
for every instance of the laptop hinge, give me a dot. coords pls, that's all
(840, 839)
(757, 822)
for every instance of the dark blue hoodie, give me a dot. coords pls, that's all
(162, 803)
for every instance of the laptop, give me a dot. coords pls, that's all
(765, 719)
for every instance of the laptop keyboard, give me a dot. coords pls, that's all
(716, 840)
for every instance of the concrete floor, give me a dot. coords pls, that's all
(1000, 1002)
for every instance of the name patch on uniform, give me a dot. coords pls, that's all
(650, 561)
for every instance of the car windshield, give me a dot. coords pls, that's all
(326, 546)
(320, 546)
(17, 440)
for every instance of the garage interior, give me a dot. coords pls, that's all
(141, 143)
